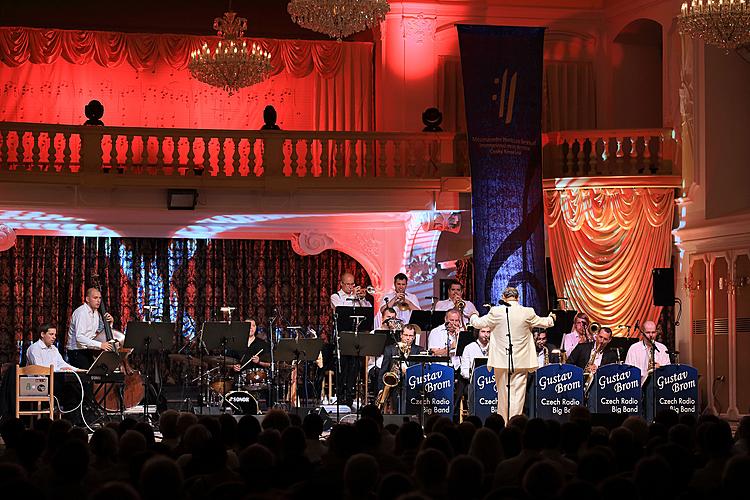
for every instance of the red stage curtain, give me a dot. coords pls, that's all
(603, 244)
(144, 51)
(43, 279)
(49, 75)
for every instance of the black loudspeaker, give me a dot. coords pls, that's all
(303, 411)
(663, 286)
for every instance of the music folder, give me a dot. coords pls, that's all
(465, 337)
(427, 320)
(106, 362)
(157, 336)
(289, 350)
(345, 321)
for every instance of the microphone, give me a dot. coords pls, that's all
(487, 305)
(501, 302)
(624, 326)
(637, 322)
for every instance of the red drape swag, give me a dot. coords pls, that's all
(603, 244)
(43, 279)
(144, 51)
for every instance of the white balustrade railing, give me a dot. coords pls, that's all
(584, 153)
(128, 151)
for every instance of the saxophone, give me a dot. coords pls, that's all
(589, 375)
(392, 377)
(651, 362)
(546, 355)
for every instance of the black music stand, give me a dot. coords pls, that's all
(427, 320)
(289, 350)
(105, 364)
(140, 336)
(346, 321)
(360, 345)
(465, 338)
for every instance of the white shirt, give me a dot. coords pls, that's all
(402, 315)
(569, 342)
(41, 355)
(437, 340)
(471, 352)
(447, 305)
(540, 357)
(84, 325)
(639, 355)
(344, 299)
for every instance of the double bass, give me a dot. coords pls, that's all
(133, 390)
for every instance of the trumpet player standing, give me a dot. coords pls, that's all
(456, 300)
(349, 294)
(400, 300)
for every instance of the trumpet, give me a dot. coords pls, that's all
(593, 330)
(460, 304)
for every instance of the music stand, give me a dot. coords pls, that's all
(225, 335)
(427, 320)
(289, 350)
(106, 362)
(346, 323)
(465, 338)
(360, 345)
(140, 336)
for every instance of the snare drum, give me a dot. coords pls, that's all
(240, 403)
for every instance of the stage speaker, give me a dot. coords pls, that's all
(303, 411)
(663, 286)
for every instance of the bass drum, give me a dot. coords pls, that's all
(240, 403)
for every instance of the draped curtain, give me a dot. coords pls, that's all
(43, 279)
(603, 244)
(142, 80)
(465, 275)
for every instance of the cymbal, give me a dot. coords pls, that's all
(184, 358)
(218, 360)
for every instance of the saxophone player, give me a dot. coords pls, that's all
(640, 354)
(544, 349)
(393, 360)
(591, 355)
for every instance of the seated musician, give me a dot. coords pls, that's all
(444, 339)
(456, 300)
(477, 349)
(255, 350)
(44, 352)
(86, 331)
(579, 333)
(639, 354)
(374, 363)
(393, 360)
(591, 355)
(544, 349)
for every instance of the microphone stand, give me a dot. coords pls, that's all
(653, 377)
(273, 385)
(511, 366)
(338, 364)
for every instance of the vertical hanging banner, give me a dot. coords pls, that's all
(502, 75)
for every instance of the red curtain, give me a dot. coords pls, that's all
(603, 244)
(144, 51)
(43, 279)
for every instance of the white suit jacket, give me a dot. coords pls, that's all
(522, 320)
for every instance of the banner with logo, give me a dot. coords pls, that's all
(482, 392)
(437, 382)
(557, 389)
(616, 389)
(675, 388)
(502, 76)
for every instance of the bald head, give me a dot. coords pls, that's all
(347, 283)
(649, 330)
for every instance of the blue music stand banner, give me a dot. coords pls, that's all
(482, 392)
(502, 76)
(438, 389)
(616, 390)
(676, 388)
(556, 390)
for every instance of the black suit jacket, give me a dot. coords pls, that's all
(391, 352)
(582, 352)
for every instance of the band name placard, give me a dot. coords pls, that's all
(616, 389)
(676, 388)
(558, 388)
(483, 392)
(438, 389)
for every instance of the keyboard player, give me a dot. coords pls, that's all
(43, 352)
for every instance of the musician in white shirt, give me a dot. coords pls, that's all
(43, 352)
(455, 297)
(444, 339)
(86, 330)
(477, 349)
(639, 353)
(400, 300)
(579, 333)
(349, 294)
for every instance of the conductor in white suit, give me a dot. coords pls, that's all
(522, 321)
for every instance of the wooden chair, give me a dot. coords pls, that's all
(35, 370)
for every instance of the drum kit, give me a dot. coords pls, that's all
(238, 393)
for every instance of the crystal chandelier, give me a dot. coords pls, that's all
(338, 18)
(231, 65)
(724, 23)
